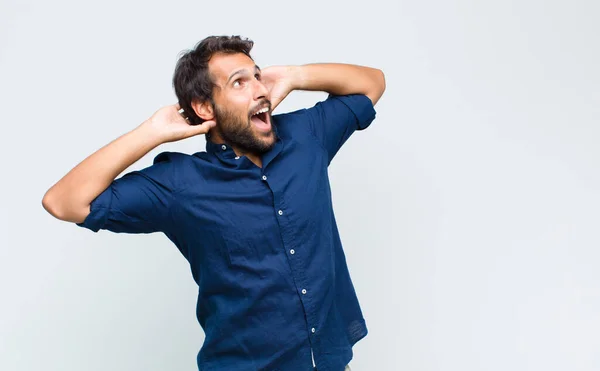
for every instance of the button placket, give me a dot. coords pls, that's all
(303, 291)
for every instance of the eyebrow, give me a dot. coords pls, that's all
(256, 69)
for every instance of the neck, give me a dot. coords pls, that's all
(215, 137)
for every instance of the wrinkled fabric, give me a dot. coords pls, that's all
(262, 243)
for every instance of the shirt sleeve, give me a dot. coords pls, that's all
(138, 202)
(334, 120)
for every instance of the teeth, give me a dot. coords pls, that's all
(266, 109)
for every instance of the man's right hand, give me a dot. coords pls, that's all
(169, 125)
(69, 199)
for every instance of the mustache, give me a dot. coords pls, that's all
(260, 104)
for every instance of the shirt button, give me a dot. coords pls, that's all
(237, 157)
(264, 177)
(292, 251)
(280, 212)
(313, 330)
(224, 147)
(304, 291)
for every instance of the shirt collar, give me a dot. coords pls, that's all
(219, 149)
(224, 151)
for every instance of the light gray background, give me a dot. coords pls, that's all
(468, 210)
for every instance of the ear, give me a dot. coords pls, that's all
(204, 110)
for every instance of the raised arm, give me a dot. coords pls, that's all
(69, 199)
(333, 78)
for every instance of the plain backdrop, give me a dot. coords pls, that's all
(468, 210)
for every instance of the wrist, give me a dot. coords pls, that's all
(297, 78)
(149, 133)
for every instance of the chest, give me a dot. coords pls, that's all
(247, 216)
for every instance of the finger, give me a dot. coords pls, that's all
(274, 103)
(209, 124)
(204, 127)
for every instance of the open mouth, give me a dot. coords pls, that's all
(260, 119)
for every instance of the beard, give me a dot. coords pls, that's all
(238, 132)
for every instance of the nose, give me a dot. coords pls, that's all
(260, 90)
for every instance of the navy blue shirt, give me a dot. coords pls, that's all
(262, 243)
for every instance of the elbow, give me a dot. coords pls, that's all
(64, 208)
(54, 206)
(50, 205)
(381, 81)
(378, 87)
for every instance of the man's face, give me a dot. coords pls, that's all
(242, 106)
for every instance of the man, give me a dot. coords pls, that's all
(252, 214)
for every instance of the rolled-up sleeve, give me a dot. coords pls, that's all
(334, 120)
(138, 202)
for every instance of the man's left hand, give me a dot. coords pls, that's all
(280, 82)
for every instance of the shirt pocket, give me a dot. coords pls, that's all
(238, 249)
(240, 252)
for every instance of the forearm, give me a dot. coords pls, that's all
(340, 79)
(69, 199)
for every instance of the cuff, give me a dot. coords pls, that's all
(362, 107)
(99, 209)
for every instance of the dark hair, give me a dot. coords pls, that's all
(192, 80)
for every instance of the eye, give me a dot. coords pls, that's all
(257, 76)
(237, 83)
